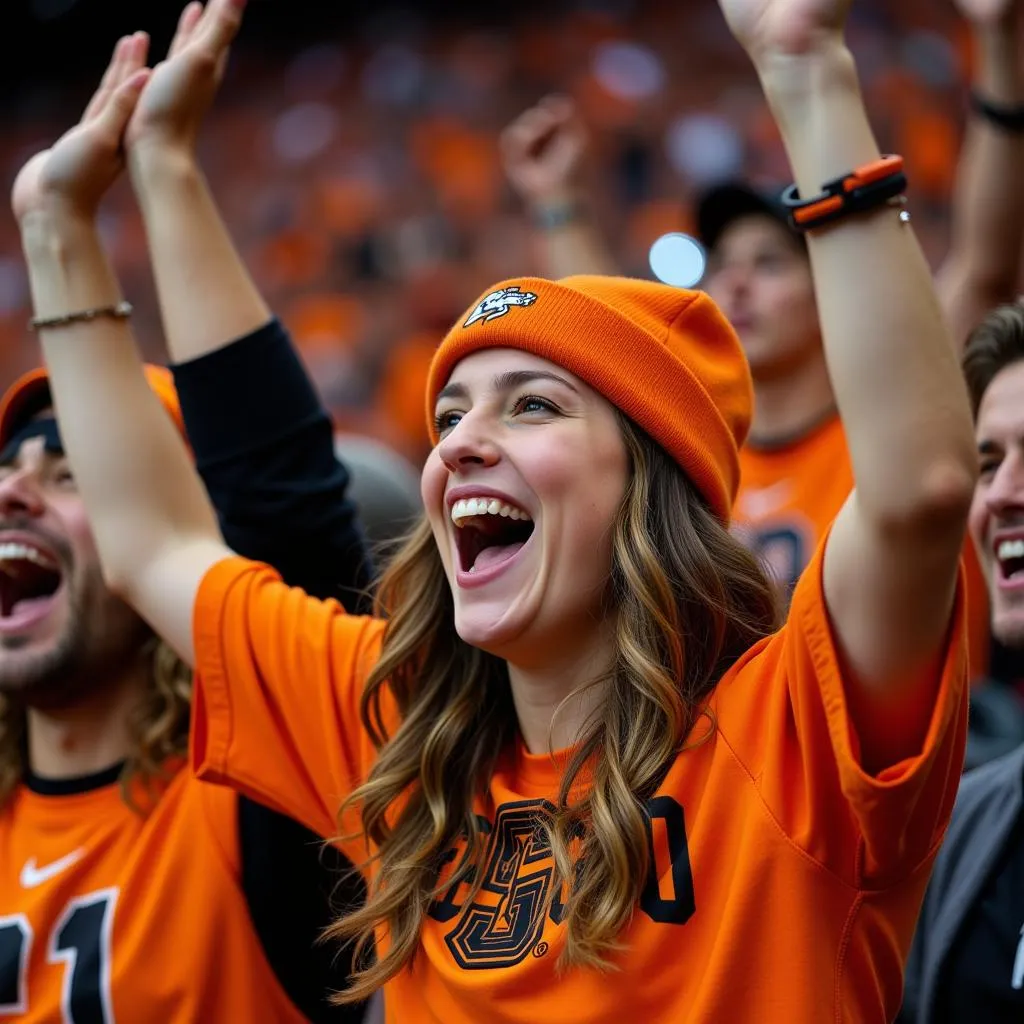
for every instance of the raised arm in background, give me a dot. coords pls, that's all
(544, 152)
(262, 440)
(982, 269)
(264, 446)
(188, 241)
(892, 558)
(154, 526)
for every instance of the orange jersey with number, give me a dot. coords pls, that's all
(788, 498)
(108, 915)
(785, 881)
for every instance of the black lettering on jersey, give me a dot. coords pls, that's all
(446, 907)
(15, 943)
(80, 940)
(784, 549)
(681, 905)
(505, 921)
(500, 932)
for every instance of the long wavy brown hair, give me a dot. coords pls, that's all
(158, 727)
(687, 600)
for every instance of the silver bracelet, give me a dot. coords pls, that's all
(121, 311)
(552, 216)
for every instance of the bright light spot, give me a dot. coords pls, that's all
(628, 70)
(305, 131)
(678, 259)
(704, 149)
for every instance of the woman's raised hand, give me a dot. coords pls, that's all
(74, 174)
(770, 28)
(170, 111)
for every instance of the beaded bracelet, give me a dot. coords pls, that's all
(121, 311)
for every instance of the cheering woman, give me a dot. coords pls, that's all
(586, 777)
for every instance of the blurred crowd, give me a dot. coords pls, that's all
(363, 183)
(367, 182)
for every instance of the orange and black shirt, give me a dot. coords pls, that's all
(205, 907)
(785, 879)
(789, 495)
(112, 915)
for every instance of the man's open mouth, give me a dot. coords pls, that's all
(1010, 558)
(488, 531)
(29, 577)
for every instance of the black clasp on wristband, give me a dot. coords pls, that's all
(871, 185)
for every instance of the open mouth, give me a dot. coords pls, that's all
(29, 578)
(1010, 558)
(488, 532)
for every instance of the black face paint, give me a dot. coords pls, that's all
(45, 428)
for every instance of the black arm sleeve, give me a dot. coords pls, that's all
(264, 446)
(295, 885)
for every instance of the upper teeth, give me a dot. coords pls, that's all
(466, 507)
(1011, 549)
(10, 550)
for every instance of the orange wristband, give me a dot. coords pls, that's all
(864, 188)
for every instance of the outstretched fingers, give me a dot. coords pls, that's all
(108, 82)
(114, 117)
(220, 24)
(135, 56)
(129, 56)
(191, 15)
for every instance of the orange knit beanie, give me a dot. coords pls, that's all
(665, 356)
(30, 392)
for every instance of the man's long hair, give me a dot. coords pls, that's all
(159, 730)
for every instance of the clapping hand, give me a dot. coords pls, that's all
(768, 28)
(170, 111)
(75, 173)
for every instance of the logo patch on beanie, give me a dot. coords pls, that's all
(499, 303)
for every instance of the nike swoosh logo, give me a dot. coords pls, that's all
(31, 876)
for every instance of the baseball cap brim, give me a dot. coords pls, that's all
(30, 393)
(724, 204)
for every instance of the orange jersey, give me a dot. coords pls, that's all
(790, 494)
(107, 915)
(785, 881)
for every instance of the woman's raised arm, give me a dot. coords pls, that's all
(153, 524)
(892, 557)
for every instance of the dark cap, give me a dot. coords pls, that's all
(30, 393)
(721, 205)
